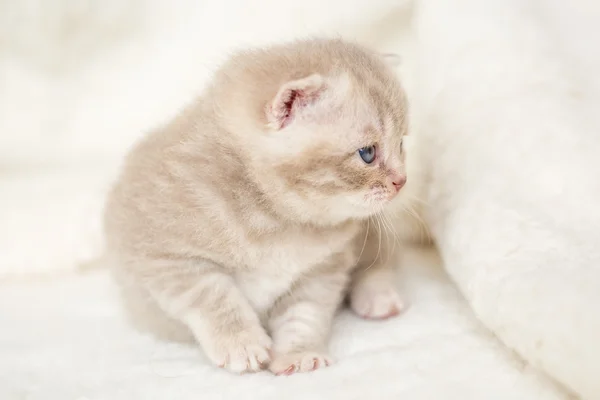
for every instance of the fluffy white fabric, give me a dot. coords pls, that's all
(67, 339)
(503, 91)
(513, 127)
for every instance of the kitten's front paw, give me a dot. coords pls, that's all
(288, 364)
(246, 352)
(373, 303)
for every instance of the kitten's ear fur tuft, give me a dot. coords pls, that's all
(392, 59)
(292, 98)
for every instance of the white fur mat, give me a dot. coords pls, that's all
(504, 94)
(67, 339)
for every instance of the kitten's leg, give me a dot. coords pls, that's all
(372, 292)
(300, 323)
(207, 300)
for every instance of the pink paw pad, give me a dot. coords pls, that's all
(289, 364)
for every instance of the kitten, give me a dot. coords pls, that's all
(241, 221)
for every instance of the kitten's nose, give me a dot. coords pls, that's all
(399, 181)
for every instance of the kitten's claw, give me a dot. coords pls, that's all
(381, 304)
(288, 364)
(250, 354)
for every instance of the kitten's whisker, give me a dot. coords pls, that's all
(422, 225)
(364, 242)
(387, 236)
(390, 225)
(407, 210)
(378, 247)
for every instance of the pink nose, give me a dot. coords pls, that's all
(399, 181)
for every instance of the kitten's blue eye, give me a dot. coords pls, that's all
(367, 154)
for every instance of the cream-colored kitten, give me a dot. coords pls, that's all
(241, 221)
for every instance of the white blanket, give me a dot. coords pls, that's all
(502, 93)
(509, 108)
(67, 339)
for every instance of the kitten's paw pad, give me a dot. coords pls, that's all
(250, 354)
(288, 364)
(376, 304)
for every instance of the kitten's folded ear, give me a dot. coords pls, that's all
(292, 98)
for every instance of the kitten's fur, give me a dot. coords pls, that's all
(241, 221)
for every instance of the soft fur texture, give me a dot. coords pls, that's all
(73, 113)
(515, 180)
(240, 219)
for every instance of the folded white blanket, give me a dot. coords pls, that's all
(513, 133)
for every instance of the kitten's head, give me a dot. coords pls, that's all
(330, 147)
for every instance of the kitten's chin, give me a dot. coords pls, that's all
(376, 203)
(365, 210)
(339, 213)
(334, 211)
